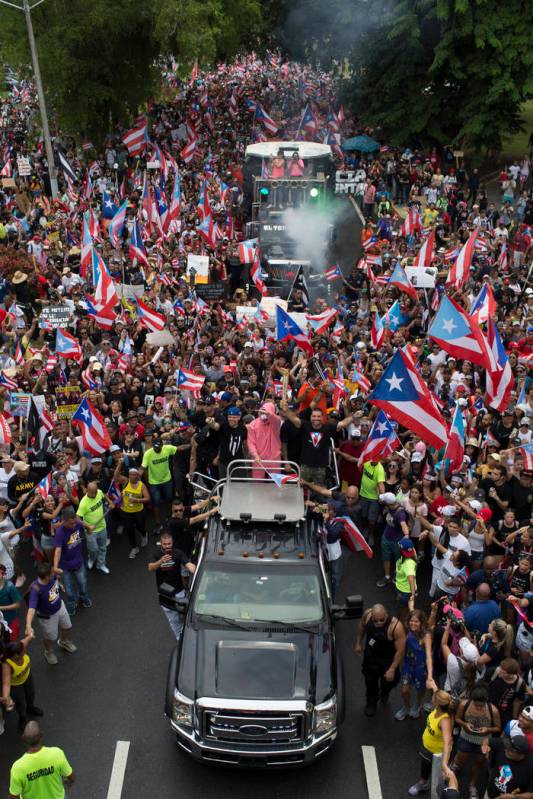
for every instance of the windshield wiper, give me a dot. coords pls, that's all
(222, 620)
(310, 626)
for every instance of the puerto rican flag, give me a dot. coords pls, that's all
(362, 381)
(353, 537)
(136, 138)
(411, 223)
(321, 321)
(190, 150)
(499, 377)
(175, 202)
(86, 247)
(262, 116)
(189, 381)
(378, 331)
(105, 293)
(87, 380)
(333, 273)
(67, 345)
(460, 271)
(95, 437)
(7, 169)
(309, 122)
(5, 381)
(484, 305)
(381, 442)
(45, 486)
(287, 328)
(402, 393)
(137, 252)
(458, 334)
(527, 456)
(117, 224)
(424, 256)
(247, 251)
(149, 318)
(255, 274)
(103, 315)
(400, 280)
(281, 479)
(455, 448)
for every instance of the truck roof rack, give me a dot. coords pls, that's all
(259, 499)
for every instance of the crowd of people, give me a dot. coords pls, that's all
(455, 627)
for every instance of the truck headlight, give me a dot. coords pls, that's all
(325, 716)
(182, 709)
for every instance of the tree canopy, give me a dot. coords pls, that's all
(99, 60)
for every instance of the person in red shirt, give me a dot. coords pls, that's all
(348, 454)
(131, 425)
(525, 345)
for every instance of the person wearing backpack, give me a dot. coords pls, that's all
(477, 718)
(507, 690)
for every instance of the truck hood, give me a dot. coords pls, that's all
(234, 664)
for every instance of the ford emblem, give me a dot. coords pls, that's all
(253, 730)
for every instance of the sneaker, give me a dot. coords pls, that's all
(34, 711)
(86, 603)
(383, 582)
(50, 657)
(144, 540)
(418, 787)
(415, 712)
(103, 569)
(370, 710)
(427, 707)
(133, 553)
(402, 714)
(68, 646)
(90, 562)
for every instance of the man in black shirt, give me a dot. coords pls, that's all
(522, 495)
(22, 482)
(291, 440)
(41, 462)
(232, 438)
(167, 564)
(510, 767)
(498, 492)
(316, 436)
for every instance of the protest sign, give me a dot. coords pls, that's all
(67, 400)
(211, 291)
(23, 166)
(200, 265)
(422, 277)
(19, 403)
(54, 316)
(129, 291)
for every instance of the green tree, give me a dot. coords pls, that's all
(444, 71)
(99, 59)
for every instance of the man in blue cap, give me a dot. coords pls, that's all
(232, 439)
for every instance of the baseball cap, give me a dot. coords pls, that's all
(115, 448)
(226, 396)
(133, 469)
(407, 547)
(518, 743)
(417, 457)
(388, 498)
(234, 411)
(475, 505)
(449, 511)
(96, 460)
(485, 514)
(527, 711)
(468, 651)
(356, 433)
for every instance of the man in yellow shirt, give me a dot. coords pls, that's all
(368, 507)
(42, 772)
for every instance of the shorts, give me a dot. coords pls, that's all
(368, 510)
(161, 492)
(403, 598)
(48, 541)
(389, 550)
(59, 621)
(468, 746)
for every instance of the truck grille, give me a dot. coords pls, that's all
(254, 728)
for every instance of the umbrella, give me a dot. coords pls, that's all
(161, 338)
(362, 143)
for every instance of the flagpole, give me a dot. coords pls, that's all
(27, 9)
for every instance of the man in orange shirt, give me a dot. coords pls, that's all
(314, 391)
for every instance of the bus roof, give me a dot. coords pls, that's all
(305, 149)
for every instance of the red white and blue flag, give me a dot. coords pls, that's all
(455, 448)
(95, 437)
(457, 333)
(411, 223)
(400, 280)
(105, 293)
(321, 321)
(247, 251)
(381, 442)
(255, 274)
(425, 254)
(287, 329)
(149, 318)
(378, 331)
(103, 315)
(189, 381)
(45, 486)
(402, 393)
(353, 537)
(460, 271)
(527, 456)
(136, 138)
(333, 273)
(281, 479)
(499, 377)
(117, 224)
(267, 121)
(137, 252)
(86, 247)
(67, 345)
(484, 305)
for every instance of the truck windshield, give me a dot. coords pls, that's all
(284, 595)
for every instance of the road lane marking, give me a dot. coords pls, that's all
(119, 770)
(371, 772)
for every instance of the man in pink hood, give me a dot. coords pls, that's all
(264, 441)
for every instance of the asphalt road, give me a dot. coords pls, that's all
(112, 690)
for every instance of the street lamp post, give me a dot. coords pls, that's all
(27, 9)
